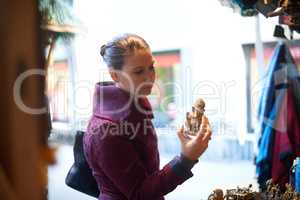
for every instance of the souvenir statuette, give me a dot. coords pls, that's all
(194, 118)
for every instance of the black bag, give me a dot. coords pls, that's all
(80, 175)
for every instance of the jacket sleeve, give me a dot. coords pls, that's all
(119, 160)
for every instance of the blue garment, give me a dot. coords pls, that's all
(266, 142)
(281, 73)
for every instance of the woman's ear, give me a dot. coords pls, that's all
(114, 75)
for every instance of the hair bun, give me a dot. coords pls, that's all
(102, 51)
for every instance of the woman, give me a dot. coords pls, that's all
(120, 144)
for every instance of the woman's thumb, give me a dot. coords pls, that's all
(205, 120)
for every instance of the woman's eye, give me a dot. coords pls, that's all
(138, 72)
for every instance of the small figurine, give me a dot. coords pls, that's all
(194, 119)
(275, 192)
(269, 185)
(230, 194)
(216, 195)
(289, 192)
(245, 193)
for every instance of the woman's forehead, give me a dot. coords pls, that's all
(140, 58)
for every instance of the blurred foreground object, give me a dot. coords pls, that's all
(273, 192)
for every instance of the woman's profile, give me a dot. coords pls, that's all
(120, 144)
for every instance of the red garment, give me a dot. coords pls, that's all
(287, 139)
(121, 148)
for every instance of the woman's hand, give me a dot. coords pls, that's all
(192, 147)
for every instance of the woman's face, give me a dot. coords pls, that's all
(138, 74)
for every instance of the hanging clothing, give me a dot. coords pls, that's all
(267, 113)
(282, 74)
(287, 139)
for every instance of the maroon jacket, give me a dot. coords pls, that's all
(121, 149)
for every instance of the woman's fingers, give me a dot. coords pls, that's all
(200, 135)
(204, 120)
(206, 127)
(181, 135)
(205, 132)
(207, 135)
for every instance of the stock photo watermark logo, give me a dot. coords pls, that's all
(124, 128)
(214, 92)
(17, 92)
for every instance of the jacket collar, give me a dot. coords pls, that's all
(113, 103)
